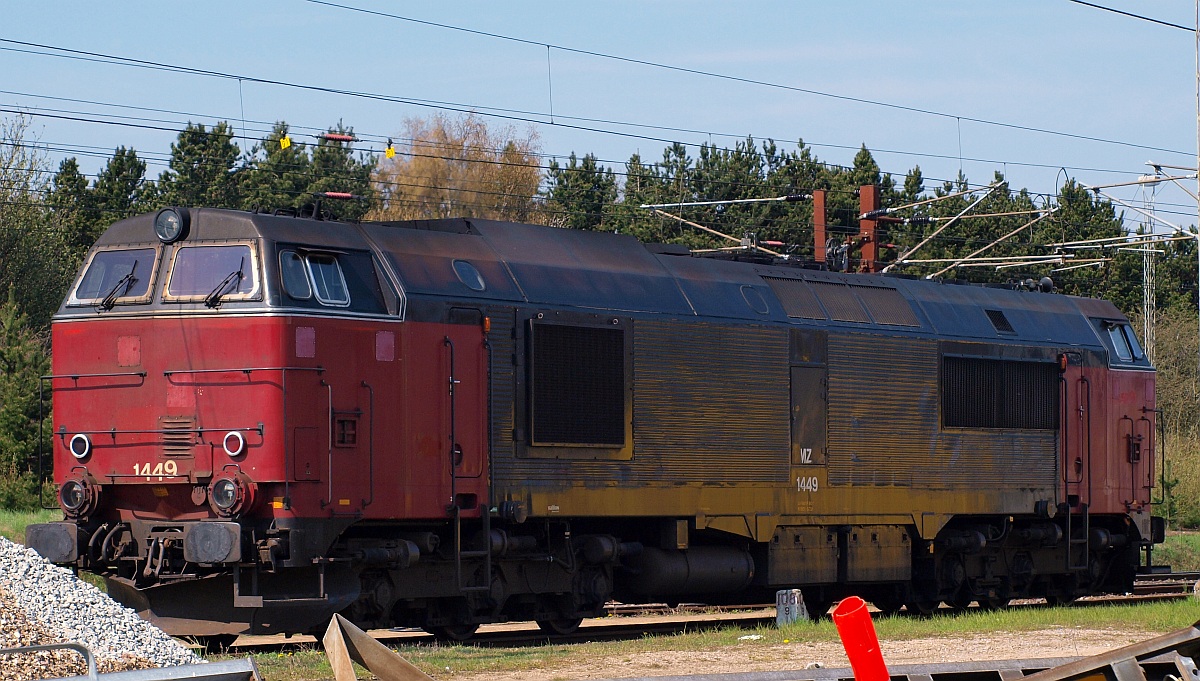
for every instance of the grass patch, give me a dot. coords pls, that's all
(12, 523)
(448, 661)
(1181, 551)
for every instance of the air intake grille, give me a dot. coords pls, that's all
(886, 305)
(1000, 321)
(992, 393)
(797, 299)
(841, 302)
(577, 385)
(179, 435)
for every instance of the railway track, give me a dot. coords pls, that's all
(632, 621)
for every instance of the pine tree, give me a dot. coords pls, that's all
(277, 176)
(118, 190)
(336, 169)
(203, 169)
(580, 194)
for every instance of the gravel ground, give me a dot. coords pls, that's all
(752, 656)
(41, 603)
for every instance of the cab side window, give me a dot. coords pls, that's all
(294, 273)
(1122, 340)
(328, 282)
(317, 279)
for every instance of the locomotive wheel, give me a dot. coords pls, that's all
(922, 607)
(1057, 599)
(961, 600)
(456, 633)
(888, 606)
(993, 603)
(560, 626)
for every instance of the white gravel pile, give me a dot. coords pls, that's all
(42, 603)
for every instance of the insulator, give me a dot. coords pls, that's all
(797, 197)
(919, 220)
(873, 214)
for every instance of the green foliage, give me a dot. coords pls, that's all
(581, 194)
(277, 177)
(336, 169)
(1181, 551)
(203, 170)
(23, 360)
(13, 523)
(36, 259)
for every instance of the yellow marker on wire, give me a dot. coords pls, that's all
(285, 142)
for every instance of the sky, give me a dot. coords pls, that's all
(977, 87)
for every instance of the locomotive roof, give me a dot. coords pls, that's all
(599, 271)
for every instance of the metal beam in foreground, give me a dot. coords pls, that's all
(1170, 656)
(231, 670)
(345, 642)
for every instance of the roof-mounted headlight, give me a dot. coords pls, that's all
(171, 224)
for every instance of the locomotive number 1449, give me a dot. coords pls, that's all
(160, 469)
(806, 484)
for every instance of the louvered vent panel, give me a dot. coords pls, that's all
(990, 393)
(887, 306)
(179, 435)
(840, 301)
(578, 385)
(797, 299)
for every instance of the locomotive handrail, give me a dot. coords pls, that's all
(76, 377)
(244, 370)
(62, 431)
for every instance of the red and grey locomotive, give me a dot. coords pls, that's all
(260, 420)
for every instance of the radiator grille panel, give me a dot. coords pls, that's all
(990, 393)
(577, 379)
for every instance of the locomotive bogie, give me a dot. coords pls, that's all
(265, 420)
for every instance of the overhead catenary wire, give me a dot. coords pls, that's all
(739, 79)
(990, 188)
(1014, 232)
(710, 230)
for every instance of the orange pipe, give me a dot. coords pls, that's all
(858, 637)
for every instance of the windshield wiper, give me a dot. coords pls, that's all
(119, 289)
(213, 299)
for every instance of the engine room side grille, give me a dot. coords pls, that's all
(993, 393)
(178, 436)
(797, 299)
(577, 385)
